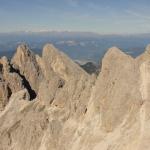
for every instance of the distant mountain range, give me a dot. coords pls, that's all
(83, 46)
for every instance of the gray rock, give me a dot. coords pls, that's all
(24, 61)
(74, 110)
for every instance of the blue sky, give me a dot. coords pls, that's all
(102, 16)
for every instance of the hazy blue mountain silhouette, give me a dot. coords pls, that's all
(78, 45)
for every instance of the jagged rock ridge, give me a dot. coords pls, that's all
(71, 109)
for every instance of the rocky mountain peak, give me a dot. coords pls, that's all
(147, 49)
(61, 63)
(70, 109)
(24, 62)
(23, 47)
(115, 53)
(50, 49)
(145, 56)
(23, 53)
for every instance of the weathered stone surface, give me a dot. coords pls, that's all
(117, 88)
(145, 56)
(118, 111)
(73, 110)
(70, 85)
(61, 63)
(24, 61)
(10, 82)
(22, 123)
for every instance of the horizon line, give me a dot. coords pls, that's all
(72, 31)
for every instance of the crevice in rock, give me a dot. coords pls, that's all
(26, 83)
(85, 111)
(9, 138)
(61, 83)
(1, 72)
(9, 92)
(1, 68)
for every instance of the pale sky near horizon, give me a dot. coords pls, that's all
(102, 16)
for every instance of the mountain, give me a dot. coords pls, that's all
(83, 46)
(50, 102)
(90, 67)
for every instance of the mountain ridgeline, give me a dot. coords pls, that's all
(49, 102)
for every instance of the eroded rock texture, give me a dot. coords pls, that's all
(50, 103)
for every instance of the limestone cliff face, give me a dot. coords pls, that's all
(24, 61)
(117, 91)
(10, 82)
(70, 109)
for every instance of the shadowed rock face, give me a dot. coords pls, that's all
(90, 68)
(71, 109)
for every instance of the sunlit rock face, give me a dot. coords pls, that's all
(24, 61)
(49, 102)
